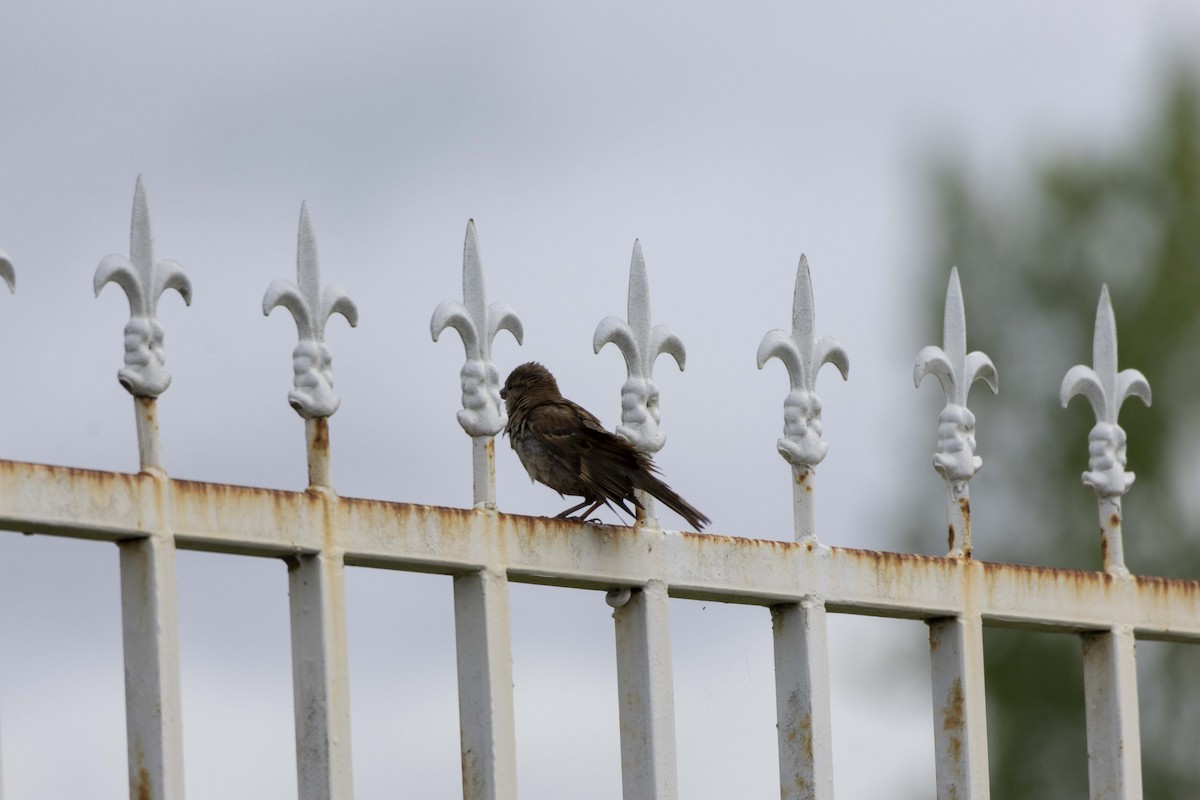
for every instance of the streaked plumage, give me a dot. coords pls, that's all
(565, 447)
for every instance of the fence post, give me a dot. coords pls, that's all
(149, 606)
(320, 675)
(150, 617)
(960, 714)
(1109, 657)
(646, 692)
(803, 715)
(317, 581)
(802, 701)
(1113, 738)
(485, 686)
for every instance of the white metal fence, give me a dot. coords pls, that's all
(150, 515)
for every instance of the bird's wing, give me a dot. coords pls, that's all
(604, 461)
(556, 422)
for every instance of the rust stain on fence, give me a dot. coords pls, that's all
(320, 439)
(806, 736)
(701, 541)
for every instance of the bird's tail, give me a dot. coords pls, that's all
(671, 499)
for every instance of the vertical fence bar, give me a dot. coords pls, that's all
(485, 686)
(1112, 548)
(1114, 743)
(960, 716)
(487, 725)
(802, 701)
(317, 582)
(646, 695)
(149, 606)
(150, 625)
(145, 411)
(316, 434)
(958, 514)
(803, 514)
(804, 720)
(483, 472)
(320, 676)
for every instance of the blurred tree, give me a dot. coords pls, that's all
(1032, 259)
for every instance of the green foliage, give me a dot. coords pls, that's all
(1032, 260)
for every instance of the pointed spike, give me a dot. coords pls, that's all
(474, 290)
(1104, 350)
(639, 296)
(954, 326)
(804, 317)
(308, 266)
(141, 238)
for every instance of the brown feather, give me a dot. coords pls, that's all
(565, 447)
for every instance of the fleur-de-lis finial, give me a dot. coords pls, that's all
(803, 353)
(7, 272)
(144, 280)
(1106, 389)
(311, 305)
(477, 323)
(641, 345)
(956, 371)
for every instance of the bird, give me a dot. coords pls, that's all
(565, 447)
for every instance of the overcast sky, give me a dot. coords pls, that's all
(729, 138)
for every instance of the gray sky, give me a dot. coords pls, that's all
(728, 139)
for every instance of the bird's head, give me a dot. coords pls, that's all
(529, 378)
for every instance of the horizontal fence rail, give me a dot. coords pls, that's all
(117, 507)
(150, 516)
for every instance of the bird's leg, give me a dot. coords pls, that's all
(584, 516)
(609, 502)
(626, 508)
(573, 509)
